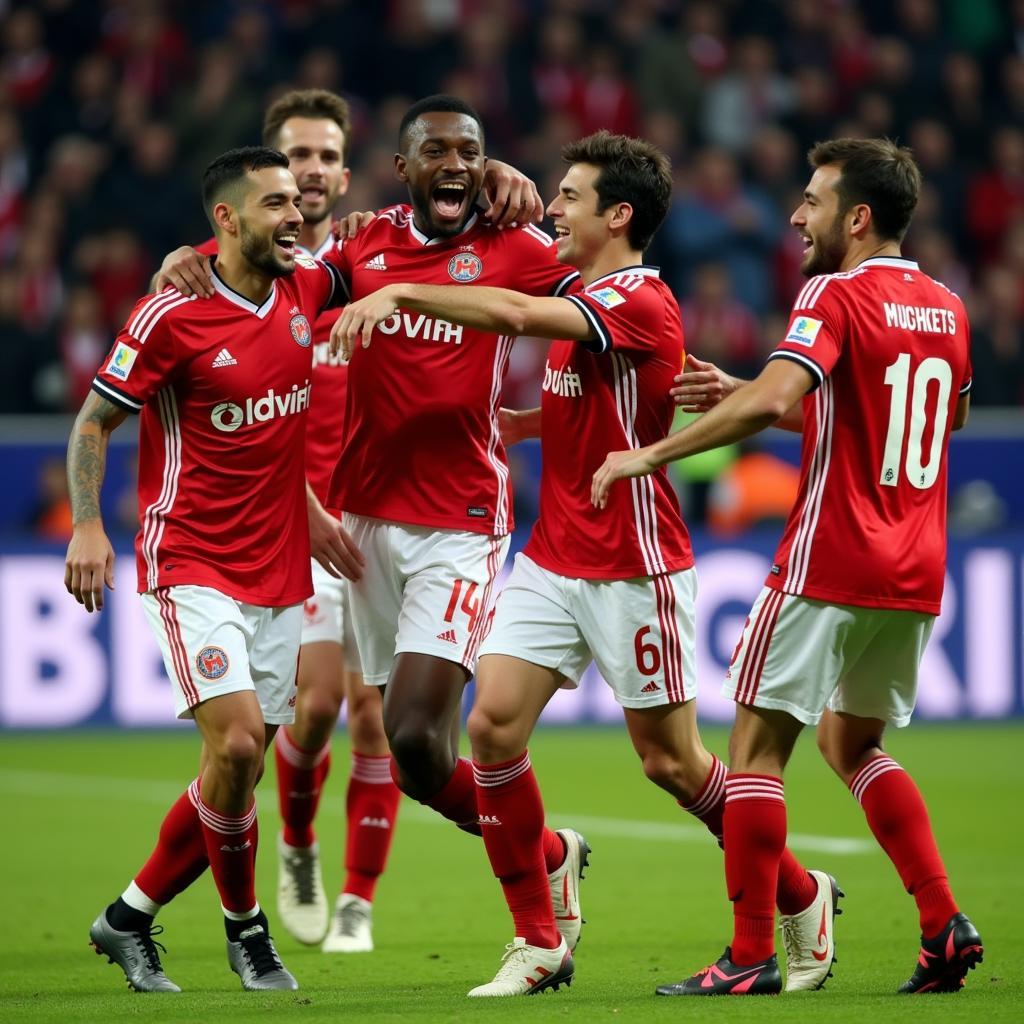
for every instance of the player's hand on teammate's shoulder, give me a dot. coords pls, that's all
(359, 318)
(512, 197)
(89, 564)
(187, 270)
(332, 546)
(351, 224)
(618, 466)
(701, 385)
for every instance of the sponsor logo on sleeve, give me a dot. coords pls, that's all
(122, 361)
(465, 267)
(804, 331)
(607, 297)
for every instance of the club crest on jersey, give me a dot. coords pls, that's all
(212, 662)
(608, 297)
(122, 361)
(299, 326)
(465, 267)
(804, 330)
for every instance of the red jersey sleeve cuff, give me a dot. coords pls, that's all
(807, 363)
(603, 341)
(112, 394)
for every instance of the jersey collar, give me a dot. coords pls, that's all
(261, 311)
(322, 249)
(639, 270)
(424, 240)
(898, 262)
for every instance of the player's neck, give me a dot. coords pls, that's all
(312, 236)
(242, 277)
(869, 249)
(610, 259)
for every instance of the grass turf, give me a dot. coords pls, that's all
(81, 811)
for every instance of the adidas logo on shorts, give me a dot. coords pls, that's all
(449, 636)
(651, 687)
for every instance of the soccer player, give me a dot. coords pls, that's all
(876, 366)
(313, 128)
(223, 551)
(618, 590)
(423, 478)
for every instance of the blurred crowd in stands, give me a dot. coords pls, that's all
(110, 109)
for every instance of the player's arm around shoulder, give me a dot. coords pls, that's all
(497, 310)
(89, 563)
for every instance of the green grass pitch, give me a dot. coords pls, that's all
(80, 811)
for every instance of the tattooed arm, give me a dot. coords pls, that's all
(90, 558)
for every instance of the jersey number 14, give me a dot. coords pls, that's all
(921, 472)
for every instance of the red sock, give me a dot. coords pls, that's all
(796, 889)
(898, 817)
(513, 812)
(179, 856)
(300, 778)
(755, 836)
(456, 800)
(231, 847)
(372, 806)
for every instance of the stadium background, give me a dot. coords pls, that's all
(110, 110)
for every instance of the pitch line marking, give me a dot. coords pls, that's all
(106, 788)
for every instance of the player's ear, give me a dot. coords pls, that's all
(224, 218)
(622, 214)
(400, 171)
(860, 221)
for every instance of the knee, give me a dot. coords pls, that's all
(317, 717)
(669, 773)
(365, 724)
(238, 756)
(415, 745)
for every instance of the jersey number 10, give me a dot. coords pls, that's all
(921, 474)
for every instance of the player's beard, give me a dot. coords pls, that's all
(827, 252)
(258, 250)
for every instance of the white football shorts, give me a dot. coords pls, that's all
(213, 644)
(800, 656)
(640, 632)
(327, 616)
(423, 590)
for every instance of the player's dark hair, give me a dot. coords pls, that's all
(439, 104)
(225, 174)
(314, 104)
(631, 171)
(877, 173)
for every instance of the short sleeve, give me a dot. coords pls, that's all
(321, 284)
(339, 259)
(626, 314)
(817, 328)
(145, 355)
(532, 256)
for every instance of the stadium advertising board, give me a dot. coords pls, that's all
(60, 667)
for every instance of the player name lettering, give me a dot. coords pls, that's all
(417, 325)
(920, 318)
(227, 416)
(322, 355)
(562, 382)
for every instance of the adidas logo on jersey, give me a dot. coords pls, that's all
(375, 822)
(449, 636)
(377, 263)
(651, 687)
(224, 358)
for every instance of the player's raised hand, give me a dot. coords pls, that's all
(89, 564)
(358, 319)
(618, 466)
(187, 270)
(512, 196)
(701, 386)
(351, 224)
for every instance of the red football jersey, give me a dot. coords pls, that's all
(223, 386)
(423, 445)
(325, 420)
(889, 349)
(604, 396)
